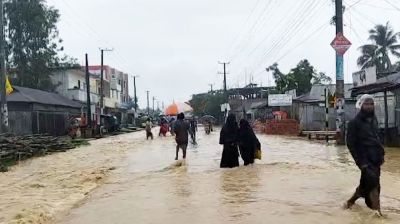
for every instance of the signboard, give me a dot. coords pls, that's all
(364, 77)
(280, 100)
(225, 107)
(341, 44)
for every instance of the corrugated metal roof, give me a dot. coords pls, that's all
(317, 93)
(28, 95)
(388, 83)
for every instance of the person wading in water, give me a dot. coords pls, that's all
(248, 142)
(368, 153)
(181, 130)
(149, 126)
(229, 138)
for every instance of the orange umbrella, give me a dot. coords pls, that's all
(176, 108)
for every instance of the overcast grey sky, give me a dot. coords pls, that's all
(175, 45)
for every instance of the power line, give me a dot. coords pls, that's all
(122, 61)
(393, 5)
(289, 33)
(244, 25)
(251, 31)
(313, 33)
(297, 11)
(354, 4)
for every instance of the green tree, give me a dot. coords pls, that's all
(33, 42)
(384, 46)
(207, 104)
(301, 78)
(321, 78)
(283, 81)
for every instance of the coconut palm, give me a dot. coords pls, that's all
(384, 46)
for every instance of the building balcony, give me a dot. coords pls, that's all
(80, 95)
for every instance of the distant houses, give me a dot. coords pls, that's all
(33, 111)
(253, 103)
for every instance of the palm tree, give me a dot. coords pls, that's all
(384, 46)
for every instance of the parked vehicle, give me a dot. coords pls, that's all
(110, 123)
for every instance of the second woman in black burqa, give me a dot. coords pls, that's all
(248, 142)
(229, 138)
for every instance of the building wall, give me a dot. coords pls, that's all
(20, 122)
(27, 118)
(312, 116)
(72, 84)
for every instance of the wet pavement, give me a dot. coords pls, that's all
(296, 182)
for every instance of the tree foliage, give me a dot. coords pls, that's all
(384, 46)
(207, 104)
(301, 78)
(33, 42)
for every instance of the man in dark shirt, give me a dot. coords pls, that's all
(181, 130)
(193, 130)
(368, 153)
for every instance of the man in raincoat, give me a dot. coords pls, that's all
(368, 153)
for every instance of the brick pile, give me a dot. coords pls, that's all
(282, 127)
(259, 127)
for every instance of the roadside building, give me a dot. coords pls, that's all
(309, 109)
(386, 91)
(32, 111)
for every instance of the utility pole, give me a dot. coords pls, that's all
(340, 118)
(326, 114)
(211, 86)
(134, 90)
(88, 105)
(148, 104)
(3, 105)
(225, 73)
(102, 80)
(154, 99)
(158, 105)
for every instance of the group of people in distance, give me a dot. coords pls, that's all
(234, 138)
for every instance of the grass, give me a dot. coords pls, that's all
(79, 142)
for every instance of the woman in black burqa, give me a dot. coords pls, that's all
(229, 138)
(248, 142)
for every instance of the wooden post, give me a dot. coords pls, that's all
(386, 138)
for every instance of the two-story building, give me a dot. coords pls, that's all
(72, 84)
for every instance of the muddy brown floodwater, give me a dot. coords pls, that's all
(296, 182)
(126, 179)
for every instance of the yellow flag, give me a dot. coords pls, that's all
(9, 88)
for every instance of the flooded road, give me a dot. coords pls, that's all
(39, 189)
(296, 182)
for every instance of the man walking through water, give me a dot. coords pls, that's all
(149, 126)
(368, 153)
(193, 130)
(181, 130)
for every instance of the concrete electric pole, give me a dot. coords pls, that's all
(3, 104)
(224, 73)
(340, 101)
(88, 104)
(102, 80)
(148, 103)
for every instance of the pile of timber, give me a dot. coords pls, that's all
(15, 148)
